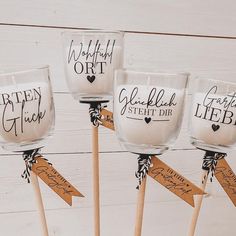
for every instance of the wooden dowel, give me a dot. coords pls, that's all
(140, 208)
(96, 192)
(198, 205)
(39, 202)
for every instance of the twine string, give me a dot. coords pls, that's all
(210, 161)
(144, 163)
(30, 158)
(95, 113)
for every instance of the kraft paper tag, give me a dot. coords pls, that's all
(173, 181)
(55, 181)
(162, 173)
(226, 178)
(107, 119)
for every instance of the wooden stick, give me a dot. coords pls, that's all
(39, 202)
(198, 205)
(140, 208)
(96, 181)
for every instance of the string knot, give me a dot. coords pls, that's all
(144, 163)
(210, 161)
(30, 158)
(95, 113)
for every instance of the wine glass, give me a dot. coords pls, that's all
(148, 109)
(26, 107)
(90, 58)
(26, 119)
(213, 116)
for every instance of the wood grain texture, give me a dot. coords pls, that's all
(214, 18)
(194, 36)
(211, 58)
(165, 214)
(171, 224)
(72, 122)
(206, 57)
(117, 180)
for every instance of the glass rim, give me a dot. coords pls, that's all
(92, 31)
(151, 71)
(21, 69)
(205, 79)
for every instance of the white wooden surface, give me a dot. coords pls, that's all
(195, 36)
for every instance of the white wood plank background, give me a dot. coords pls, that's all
(211, 18)
(194, 36)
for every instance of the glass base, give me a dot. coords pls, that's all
(24, 146)
(144, 149)
(208, 147)
(87, 98)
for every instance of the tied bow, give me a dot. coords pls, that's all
(210, 162)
